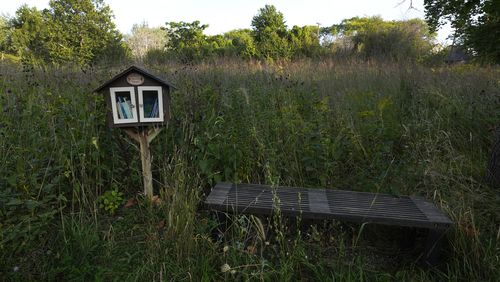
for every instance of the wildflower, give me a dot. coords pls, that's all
(94, 142)
(225, 249)
(252, 250)
(225, 268)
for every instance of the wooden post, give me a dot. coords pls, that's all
(147, 175)
(144, 138)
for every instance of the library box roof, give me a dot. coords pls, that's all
(136, 98)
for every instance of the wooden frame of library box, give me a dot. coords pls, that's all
(136, 98)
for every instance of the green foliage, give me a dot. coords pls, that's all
(72, 31)
(270, 33)
(273, 46)
(80, 30)
(111, 200)
(268, 20)
(29, 34)
(217, 45)
(187, 42)
(304, 41)
(186, 39)
(367, 126)
(269, 39)
(476, 24)
(242, 43)
(25, 220)
(4, 31)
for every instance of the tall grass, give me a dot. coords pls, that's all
(366, 126)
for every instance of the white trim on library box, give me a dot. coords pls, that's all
(116, 119)
(141, 104)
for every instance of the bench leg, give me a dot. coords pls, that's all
(432, 247)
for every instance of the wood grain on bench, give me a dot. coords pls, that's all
(327, 204)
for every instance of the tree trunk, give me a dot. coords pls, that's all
(493, 170)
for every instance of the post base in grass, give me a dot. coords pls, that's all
(144, 136)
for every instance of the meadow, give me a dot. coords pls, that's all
(397, 128)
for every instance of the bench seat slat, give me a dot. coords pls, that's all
(327, 204)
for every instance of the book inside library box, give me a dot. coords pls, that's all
(124, 106)
(150, 104)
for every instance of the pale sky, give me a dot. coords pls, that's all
(225, 15)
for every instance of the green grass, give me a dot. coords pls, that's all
(365, 126)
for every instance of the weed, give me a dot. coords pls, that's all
(366, 126)
(111, 200)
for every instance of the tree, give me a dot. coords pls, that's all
(476, 24)
(217, 45)
(75, 31)
(144, 39)
(304, 40)
(373, 37)
(270, 33)
(186, 39)
(242, 43)
(28, 35)
(269, 19)
(4, 33)
(81, 30)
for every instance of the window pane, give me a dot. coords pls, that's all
(150, 104)
(124, 106)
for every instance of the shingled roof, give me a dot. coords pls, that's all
(139, 70)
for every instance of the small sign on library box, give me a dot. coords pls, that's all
(136, 98)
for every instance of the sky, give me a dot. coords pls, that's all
(225, 15)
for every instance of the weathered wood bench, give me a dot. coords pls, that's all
(311, 203)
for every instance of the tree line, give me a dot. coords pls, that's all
(82, 32)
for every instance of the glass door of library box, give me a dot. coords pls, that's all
(123, 104)
(150, 103)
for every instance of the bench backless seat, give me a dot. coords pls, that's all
(315, 203)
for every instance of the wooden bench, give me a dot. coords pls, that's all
(310, 203)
